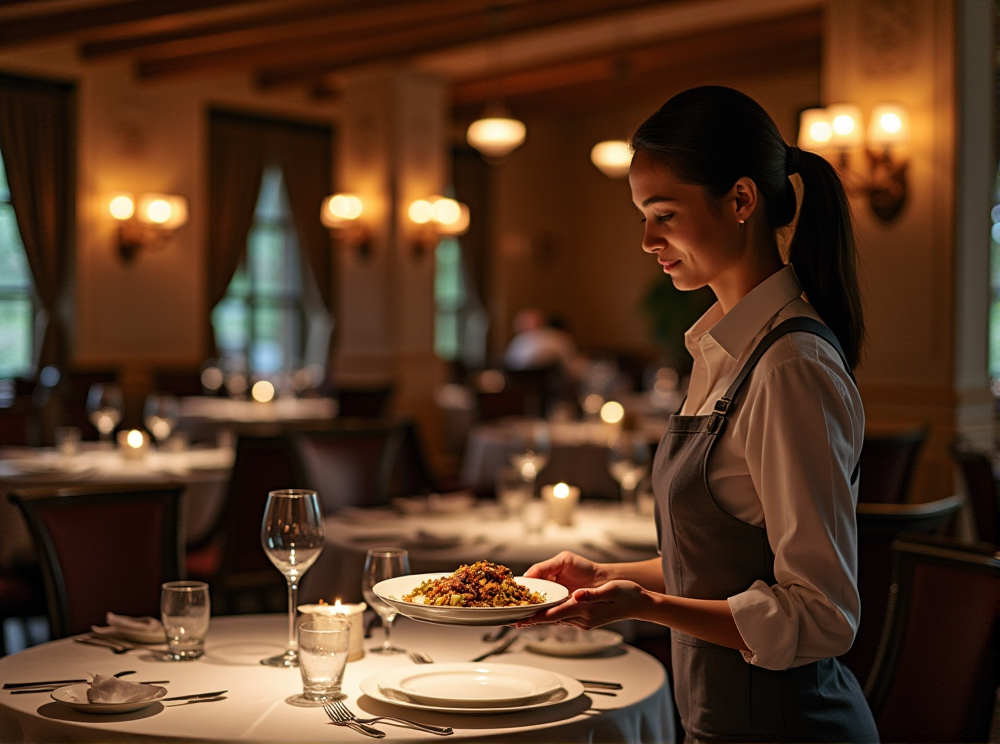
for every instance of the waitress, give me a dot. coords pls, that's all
(756, 478)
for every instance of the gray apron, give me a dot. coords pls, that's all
(709, 554)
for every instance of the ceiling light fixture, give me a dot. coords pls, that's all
(612, 157)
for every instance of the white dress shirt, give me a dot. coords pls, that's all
(784, 462)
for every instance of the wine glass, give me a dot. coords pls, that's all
(292, 536)
(530, 450)
(628, 462)
(104, 408)
(161, 414)
(382, 564)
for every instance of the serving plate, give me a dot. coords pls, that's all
(75, 696)
(392, 591)
(471, 685)
(583, 643)
(568, 689)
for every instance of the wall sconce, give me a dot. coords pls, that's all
(838, 129)
(342, 214)
(612, 157)
(434, 218)
(148, 226)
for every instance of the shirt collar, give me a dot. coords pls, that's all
(734, 331)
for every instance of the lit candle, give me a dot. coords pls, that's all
(133, 444)
(562, 500)
(353, 613)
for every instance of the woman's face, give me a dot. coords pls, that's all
(695, 237)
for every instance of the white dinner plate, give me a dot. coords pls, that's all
(584, 643)
(75, 696)
(470, 684)
(393, 590)
(126, 634)
(638, 536)
(568, 689)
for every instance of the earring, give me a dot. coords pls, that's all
(742, 221)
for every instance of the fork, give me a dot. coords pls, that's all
(342, 715)
(419, 657)
(340, 720)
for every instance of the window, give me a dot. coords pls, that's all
(260, 322)
(17, 303)
(449, 299)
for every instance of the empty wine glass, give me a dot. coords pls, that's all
(628, 462)
(104, 408)
(382, 564)
(530, 450)
(161, 414)
(292, 536)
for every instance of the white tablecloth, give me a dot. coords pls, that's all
(255, 707)
(202, 417)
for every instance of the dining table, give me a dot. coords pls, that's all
(207, 418)
(261, 703)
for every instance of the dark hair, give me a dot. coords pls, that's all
(712, 136)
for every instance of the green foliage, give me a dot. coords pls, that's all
(671, 313)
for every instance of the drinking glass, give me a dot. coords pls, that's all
(382, 564)
(292, 536)
(530, 449)
(104, 408)
(628, 462)
(511, 491)
(323, 649)
(161, 414)
(185, 611)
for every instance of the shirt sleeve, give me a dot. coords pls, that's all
(804, 430)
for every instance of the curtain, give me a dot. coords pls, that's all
(471, 181)
(37, 138)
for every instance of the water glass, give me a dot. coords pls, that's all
(161, 414)
(323, 649)
(534, 515)
(185, 610)
(104, 408)
(512, 491)
(382, 564)
(67, 440)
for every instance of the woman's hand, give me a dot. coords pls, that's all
(572, 571)
(593, 607)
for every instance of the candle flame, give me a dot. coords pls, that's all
(560, 490)
(337, 603)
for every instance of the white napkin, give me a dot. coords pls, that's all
(141, 624)
(113, 690)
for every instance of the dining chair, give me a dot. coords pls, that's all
(350, 464)
(358, 402)
(411, 475)
(936, 674)
(887, 463)
(21, 597)
(231, 559)
(103, 549)
(878, 526)
(981, 485)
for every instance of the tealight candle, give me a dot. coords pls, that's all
(562, 500)
(353, 613)
(133, 444)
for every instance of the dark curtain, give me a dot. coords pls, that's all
(471, 181)
(37, 139)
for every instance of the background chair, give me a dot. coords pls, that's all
(103, 549)
(981, 485)
(887, 466)
(935, 678)
(21, 597)
(231, 560)
(878, 526)
(371, 403)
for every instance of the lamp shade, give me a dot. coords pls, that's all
(845, 121)
(162, 210)
(496, 137)
(121, 206)
(612, 157)
(889, 125)
(815, 131)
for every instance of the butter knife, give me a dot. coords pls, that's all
(497, 649)
(192, 697)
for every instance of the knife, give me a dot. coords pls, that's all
(497, 649)
(192, 697)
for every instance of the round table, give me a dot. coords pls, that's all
(256, 706)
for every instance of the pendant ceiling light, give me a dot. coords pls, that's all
(612, 157)
(496, 134)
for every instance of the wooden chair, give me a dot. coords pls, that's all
(370, 403)
(936, 674)
(887, 465)
(878, 526)
(981, 485)
(103, 549)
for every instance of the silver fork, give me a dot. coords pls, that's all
(341, 714)
(419, 657)
(341, 720)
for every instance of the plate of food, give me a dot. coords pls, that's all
(481, 594)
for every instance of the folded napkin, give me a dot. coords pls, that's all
(137, 629)
(113, 690)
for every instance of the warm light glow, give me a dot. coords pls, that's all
(337, 603)
(612, 157)
(845, 121)
(560, 490)
(212, 378)
(162, 210)
(612, 412)
(843, 125)
(814, 129)
(890, 125)
(135, 439)
(820, 131)
(421, 212)
(122, 207)
(459, 225)
(496, 137)
(262, 391)
(592, 403)
(158, 211)
(446, 211)
(341, 208)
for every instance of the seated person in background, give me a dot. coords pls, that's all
(539, 343)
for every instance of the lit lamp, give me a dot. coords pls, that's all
(342, 214)
(838, 129)
(262, 391)
(496, 134)
(434, 218)
(148, 226)
(612, 157)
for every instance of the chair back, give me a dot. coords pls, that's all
(887, 466)
(878, 526)
(103, 549)
(981, 485)
(935, 677)
(410, 473)
(370, 403)
(350, 464)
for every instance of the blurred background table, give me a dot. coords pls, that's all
(203, 417)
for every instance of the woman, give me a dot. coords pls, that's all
(755, 480)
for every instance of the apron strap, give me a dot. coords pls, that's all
(793, 325)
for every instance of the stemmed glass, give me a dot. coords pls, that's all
(292, 536)
(530, 449)
(382, 564)
(104, 408)
(161, 414)
(628, 462)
